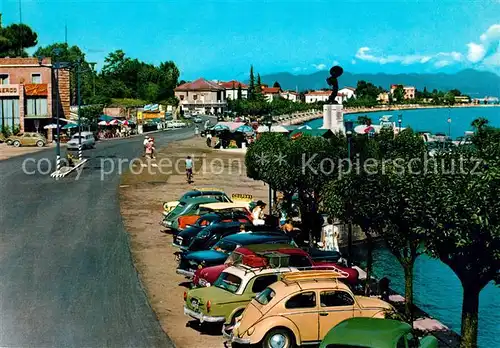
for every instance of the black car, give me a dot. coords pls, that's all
(210, 235)
(184, 238)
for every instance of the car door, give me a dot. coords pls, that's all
(335, 306)
(26, 139)
(302, 310)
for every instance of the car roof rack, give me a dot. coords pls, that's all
(311, 276)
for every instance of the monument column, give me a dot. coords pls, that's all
(333, 112)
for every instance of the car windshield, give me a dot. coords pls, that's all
(228, 282)
(178, 209)
(224, 246)
(234, 258)
(265, 296)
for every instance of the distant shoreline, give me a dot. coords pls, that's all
(307, 118)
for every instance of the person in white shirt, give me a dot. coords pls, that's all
(209, 139)
(330, 236)
(145, 144)
(258, 214)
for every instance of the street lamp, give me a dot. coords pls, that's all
(400, 121)
(449, 123)
(79, 100)
(269, 124)
(349, 127)
(57, 52)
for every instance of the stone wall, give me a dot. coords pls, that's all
(61, 80)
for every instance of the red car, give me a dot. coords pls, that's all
(250, 253)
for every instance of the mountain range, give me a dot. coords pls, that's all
(477, 84)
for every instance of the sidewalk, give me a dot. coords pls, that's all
(7, 151)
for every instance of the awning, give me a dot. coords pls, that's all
(106, 118)
(70, 126)
(274, 129)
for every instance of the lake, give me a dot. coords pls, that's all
(437, 290)
(432, 120)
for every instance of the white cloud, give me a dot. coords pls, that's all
(297, 69)
(353, 61)
(319, 66)
(439, 60)
(487, 51)
(336, 62)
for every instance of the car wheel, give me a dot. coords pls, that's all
(9, 142)
(278, 338)
(40, 143)
(16, 143)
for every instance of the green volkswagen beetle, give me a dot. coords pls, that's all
(230, 294)
(374, 333)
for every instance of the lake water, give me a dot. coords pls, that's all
(432, 120)
(437, 290)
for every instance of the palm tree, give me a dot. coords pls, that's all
(479, 123)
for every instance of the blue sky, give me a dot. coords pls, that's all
(220, 39)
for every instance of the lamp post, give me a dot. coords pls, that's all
(79, 101)
(349, 127)
(269, 124)
(57, 52)
(400, 121)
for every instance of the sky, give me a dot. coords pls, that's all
(220, 39)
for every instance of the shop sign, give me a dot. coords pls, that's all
(36, 89)
(9, 90)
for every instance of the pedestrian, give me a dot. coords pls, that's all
(196, 130)
(209, 139)
(330, 236)
(145, 143)
(149, 149)
(152, 140)
(189, 169)
(258, 214)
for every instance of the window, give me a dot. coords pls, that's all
(336, 299)
(228, 281)
(263, 282)
(195, 97)
(304, 300)
(9, 113)
(265, 296)
(4, 79)
(36, 106)
(36, 78)
(299, 261)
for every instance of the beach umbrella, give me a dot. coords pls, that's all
(114, 122)
(70, 126)
(127, 122)
(50, 126)
(103, 123)
(106, 118)
(219, 127)
(244, 129)
(304, 127)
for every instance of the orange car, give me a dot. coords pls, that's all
(219, 207)
(300, 309)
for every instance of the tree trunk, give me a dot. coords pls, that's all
(369, 263)
(408, 268)
(470, 308)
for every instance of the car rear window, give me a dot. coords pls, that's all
(228, 282)
(265, 296)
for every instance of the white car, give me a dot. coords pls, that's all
(88, 141)
(176, 124)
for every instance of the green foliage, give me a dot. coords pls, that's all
(90, 115)
(276, 85)
(15, 38)
(251, 85)
(449, 98)
(399, 94)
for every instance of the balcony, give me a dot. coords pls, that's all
(204, 103)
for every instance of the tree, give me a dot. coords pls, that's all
(479, 123)
(258, 90)
(277, 85)
(399, 94)
(90, 115)
(15, 38)
(464, 223)
(455, 92)
(449, 98)
(251, 85)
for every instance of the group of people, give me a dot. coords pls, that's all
(149, 147)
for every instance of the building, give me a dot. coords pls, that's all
(290, 95)
(204, 96)
(232, 88)
(348, 92)
(271, 93)
(462, 99)
(383, 98)
(28, 91)
(409, 91)
(323, 96)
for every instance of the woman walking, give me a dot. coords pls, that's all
(330, 236)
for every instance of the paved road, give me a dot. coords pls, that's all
(66, 275)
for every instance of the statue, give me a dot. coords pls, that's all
(335, 73)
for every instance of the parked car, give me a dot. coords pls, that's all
(232, 291)
(175, 124)
(197, 119)
(87, 141)
(189, 262)
(221, 195)
(375, 333)
(298, 258)
(184, 237)
(218, 207)
(189, 206)
(210, 235)
(27, 139)
(300, 309)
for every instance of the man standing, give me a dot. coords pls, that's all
(145, 144)
(189, 169)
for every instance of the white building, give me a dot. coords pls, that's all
(271, 93)
(290, 95)
(348, 92)
(232, 89)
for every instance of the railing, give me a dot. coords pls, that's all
(31, 116)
